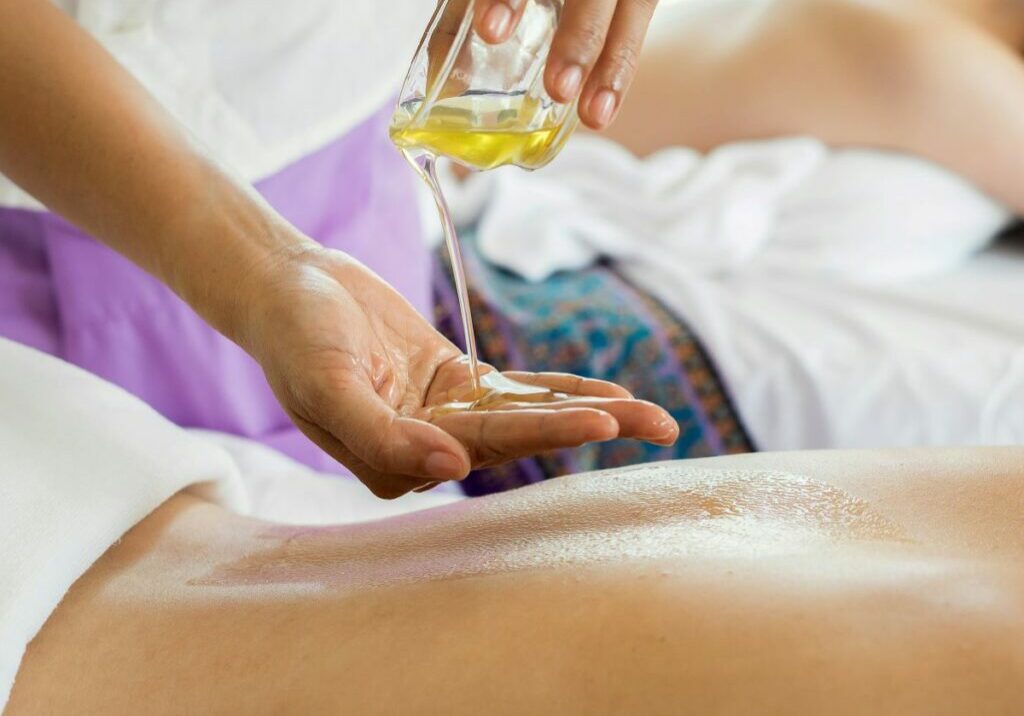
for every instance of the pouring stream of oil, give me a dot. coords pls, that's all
(491, 390)
(425, 165)
(451, 134)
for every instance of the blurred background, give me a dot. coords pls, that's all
(800, 233)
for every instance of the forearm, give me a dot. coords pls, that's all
(82, 136)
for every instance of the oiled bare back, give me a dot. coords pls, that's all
(881, 582)
(942, 79)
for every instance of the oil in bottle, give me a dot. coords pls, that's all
(480, 131)
(425, 164)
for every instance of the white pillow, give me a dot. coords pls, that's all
(874, 216)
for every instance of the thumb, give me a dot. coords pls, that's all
(385, 441)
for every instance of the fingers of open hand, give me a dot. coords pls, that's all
(571, 384)
(368, 428)
(595, 55)
(493, 437)
(637, 419)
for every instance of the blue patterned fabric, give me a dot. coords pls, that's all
(593, 323)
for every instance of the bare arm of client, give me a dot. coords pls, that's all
(943, 79)
(839, 583)
(353, 364)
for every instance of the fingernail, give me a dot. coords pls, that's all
(444, 466)
(669, 429)
(602, 107)
(428, 487)
(609, 429)
(568, 82)
(497, 20)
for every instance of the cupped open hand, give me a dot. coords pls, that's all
(359, 370)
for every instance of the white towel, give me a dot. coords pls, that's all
(788, 204)
(80, 463)
(278, 489)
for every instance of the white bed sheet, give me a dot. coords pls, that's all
(279, 489)
(813, 363)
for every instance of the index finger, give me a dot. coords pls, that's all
(571, 384)
(607, 84)
(638, 419)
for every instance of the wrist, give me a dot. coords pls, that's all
(221, 252)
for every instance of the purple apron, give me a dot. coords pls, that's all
(66, 294)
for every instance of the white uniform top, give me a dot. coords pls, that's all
(262, 82)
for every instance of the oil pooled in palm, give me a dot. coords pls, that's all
(494, 391)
